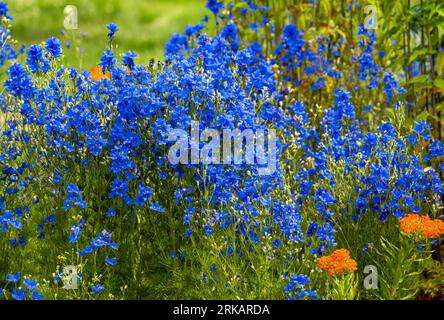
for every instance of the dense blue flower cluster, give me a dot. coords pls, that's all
(95, 151)
(390, 179)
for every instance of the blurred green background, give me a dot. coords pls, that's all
(145, 25)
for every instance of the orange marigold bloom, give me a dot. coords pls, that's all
(339, 262)
(97, 74)
(432, 228)
(410, 224)
(428, 228)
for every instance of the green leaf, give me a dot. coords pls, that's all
(418, 52)
(439, 83)
(425, 115)
(440, 64)
(422, 78)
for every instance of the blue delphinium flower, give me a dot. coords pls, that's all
(111, 212)
(4, 10)
(110, 261)
(112, 27)
(173, 254)
(214, 6)
(391, 87)
(230, 31)
(297, 288)
(128, 59)
(436, 150)
(208, 230)
(36, 295)
(58, 276)
(422, 129)
(277, 243)
(189, 232)
(30, 284)
(54, 47)
(36, 60)
(20, 83)
(412, 140)
(318, 84)
(157, 207)
(73, 197)
(103, 239)
(177, 44)
(7, 52)
(18, 294)
(119, 188)
(13, 278)
(98, 288)
(192, 30)
(75, 233)
(107, 61)
(144, 194)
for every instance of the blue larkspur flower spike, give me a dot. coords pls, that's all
(4, 11)
(112, 28)
(215, 6)
(36, 60)
(108, 60)
(20, 83)
(128, 59)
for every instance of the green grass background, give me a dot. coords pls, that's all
(145, 25)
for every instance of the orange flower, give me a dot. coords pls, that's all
(339, 262)
(410, 224)
(428, 228)
(97, 74)
(432, 228)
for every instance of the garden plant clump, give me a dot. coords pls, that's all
(93, 207)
